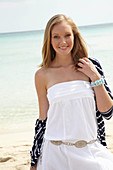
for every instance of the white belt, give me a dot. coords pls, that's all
(78, 144)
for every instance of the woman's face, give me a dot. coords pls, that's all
(62, 38)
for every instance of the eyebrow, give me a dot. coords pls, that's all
(58, 33)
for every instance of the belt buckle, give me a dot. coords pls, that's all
(80, 143)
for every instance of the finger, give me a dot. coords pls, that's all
(86, 59)
(80, 69)
(83, 60)
(80, 64)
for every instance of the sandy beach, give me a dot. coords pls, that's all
(15, 146)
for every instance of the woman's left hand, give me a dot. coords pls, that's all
(88, 68)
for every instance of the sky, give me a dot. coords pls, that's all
(26, 15)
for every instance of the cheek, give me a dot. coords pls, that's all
(71, 41)
(54, 43)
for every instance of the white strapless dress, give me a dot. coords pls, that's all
(72, 117)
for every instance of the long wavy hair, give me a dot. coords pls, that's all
(48, 53)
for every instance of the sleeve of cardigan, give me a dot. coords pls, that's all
(107, 115)
(40, 127)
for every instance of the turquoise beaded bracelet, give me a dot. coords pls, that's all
(97, 83)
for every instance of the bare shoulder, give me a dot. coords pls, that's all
(40, 73)
(40, 77)
(40, 84)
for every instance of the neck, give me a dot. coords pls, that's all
(63, 61)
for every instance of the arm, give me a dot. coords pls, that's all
(104, 99)
(40, 125)
(107, 115)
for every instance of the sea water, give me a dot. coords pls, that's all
(20, 53)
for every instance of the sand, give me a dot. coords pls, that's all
(15, 146)
(109, 133)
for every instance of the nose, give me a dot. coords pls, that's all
(63, 40)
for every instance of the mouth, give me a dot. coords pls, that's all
(63, 48)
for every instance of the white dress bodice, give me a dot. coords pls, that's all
(72, 112)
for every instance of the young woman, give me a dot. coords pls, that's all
(73, 99)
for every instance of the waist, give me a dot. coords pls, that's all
(76, 143)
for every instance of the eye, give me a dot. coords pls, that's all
(56, 36)
(67, 35)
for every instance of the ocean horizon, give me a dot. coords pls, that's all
(20, 55)
(42, 30)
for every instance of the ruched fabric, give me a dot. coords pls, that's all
(71, 105)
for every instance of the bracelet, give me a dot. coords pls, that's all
(97, 82)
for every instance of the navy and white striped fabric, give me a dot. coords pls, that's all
(107, 115)
(40, 125)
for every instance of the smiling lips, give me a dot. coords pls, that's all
(63, 48)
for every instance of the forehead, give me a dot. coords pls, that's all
(61, 27)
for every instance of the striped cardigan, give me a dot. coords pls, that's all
(40, 125)
(99, 115)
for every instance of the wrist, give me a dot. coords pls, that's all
(95, 78)
(98, 82)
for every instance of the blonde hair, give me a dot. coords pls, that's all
(48, 53)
